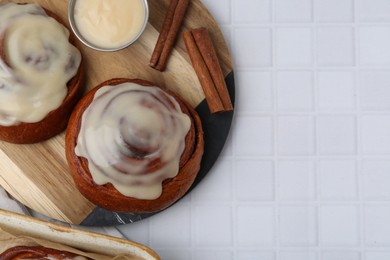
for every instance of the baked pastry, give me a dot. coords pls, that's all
(41, 74)
(38, 252)
(133, 146)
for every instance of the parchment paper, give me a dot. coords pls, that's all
(8, 240)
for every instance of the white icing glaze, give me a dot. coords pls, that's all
(40, 62)
(109, 24)
(128, 128)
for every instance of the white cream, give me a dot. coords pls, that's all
(40, 62)
(109, 24)
(125, 130)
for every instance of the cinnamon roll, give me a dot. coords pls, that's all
(40, 73)
(133, 146)
(38, 252)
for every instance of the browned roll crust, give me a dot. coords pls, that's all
(106, 196)
(35, 252)
(56, 121)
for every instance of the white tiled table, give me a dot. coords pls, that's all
(306, 172)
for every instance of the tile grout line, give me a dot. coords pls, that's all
(312, 114)
(234, 176)
(323, 113)
(315, 98)
(359, 148)
(276, 205)
(305, 24)
(299, 68)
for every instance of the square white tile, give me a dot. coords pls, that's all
(337, 134)
(374, 90)
(377, 225)
(373, 10)
(255, 226)
(374, 42)
(334, 10)
(295, 91)
(253, 136)
(255, 180)
(212, 226)
(293, 10)
(298, 225)
(337, 180)
(375, 176)
(252, 11)
(375, 138)
(294, 46)
(295, 135)
(246, 51)
(339, 226)
(256, 91)
(335, 46)
(296, 180)
(340, 255)
(336, 90)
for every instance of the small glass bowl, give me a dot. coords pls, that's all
(71, 7)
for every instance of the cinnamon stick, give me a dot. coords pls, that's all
(212, 97)
(207, 50)
(163, 33)
(207, 67)
(166, 40)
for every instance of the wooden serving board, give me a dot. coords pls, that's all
(37, 175)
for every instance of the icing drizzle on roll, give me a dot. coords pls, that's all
(133, 137)
(39, 63)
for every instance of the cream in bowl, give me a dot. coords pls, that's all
(108, 25)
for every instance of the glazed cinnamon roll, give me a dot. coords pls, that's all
(133, 146)
(40, 73)
(38, 252)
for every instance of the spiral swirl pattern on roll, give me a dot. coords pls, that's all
(37, 61)
(133, 137)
